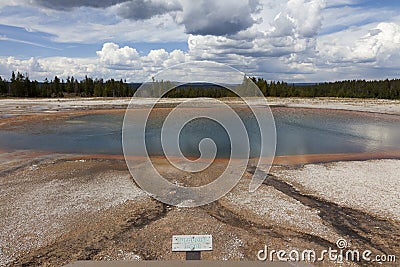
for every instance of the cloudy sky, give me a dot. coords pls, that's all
(295, 40)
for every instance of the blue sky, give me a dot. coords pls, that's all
(294, 40)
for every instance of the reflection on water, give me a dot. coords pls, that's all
(308, 131)
(299, 131)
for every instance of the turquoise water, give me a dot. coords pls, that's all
(299, 131)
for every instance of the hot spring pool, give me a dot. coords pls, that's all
(299, 131)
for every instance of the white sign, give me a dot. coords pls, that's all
(191, 242)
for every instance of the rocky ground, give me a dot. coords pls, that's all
(57, 211)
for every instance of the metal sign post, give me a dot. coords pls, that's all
(192, 245)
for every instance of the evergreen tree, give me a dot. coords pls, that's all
(3, 87)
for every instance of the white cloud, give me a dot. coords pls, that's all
(112, 61)
(9, 64)
(381, 43)
(368, 44)
(294, 40)
(285, 34)
(112, 55)
(12, 3)
(304, 24)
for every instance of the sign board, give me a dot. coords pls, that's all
(191, 242)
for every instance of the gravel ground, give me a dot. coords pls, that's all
(17, 106)
(276, 208)
(43, 200)
(372, 186)
(66, 210)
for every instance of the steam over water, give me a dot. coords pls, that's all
(299, 131)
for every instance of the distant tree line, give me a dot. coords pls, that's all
(21, 86)
(192, 91)
(386, 89)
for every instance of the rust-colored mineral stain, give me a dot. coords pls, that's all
(291, 160)
(324, 158)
